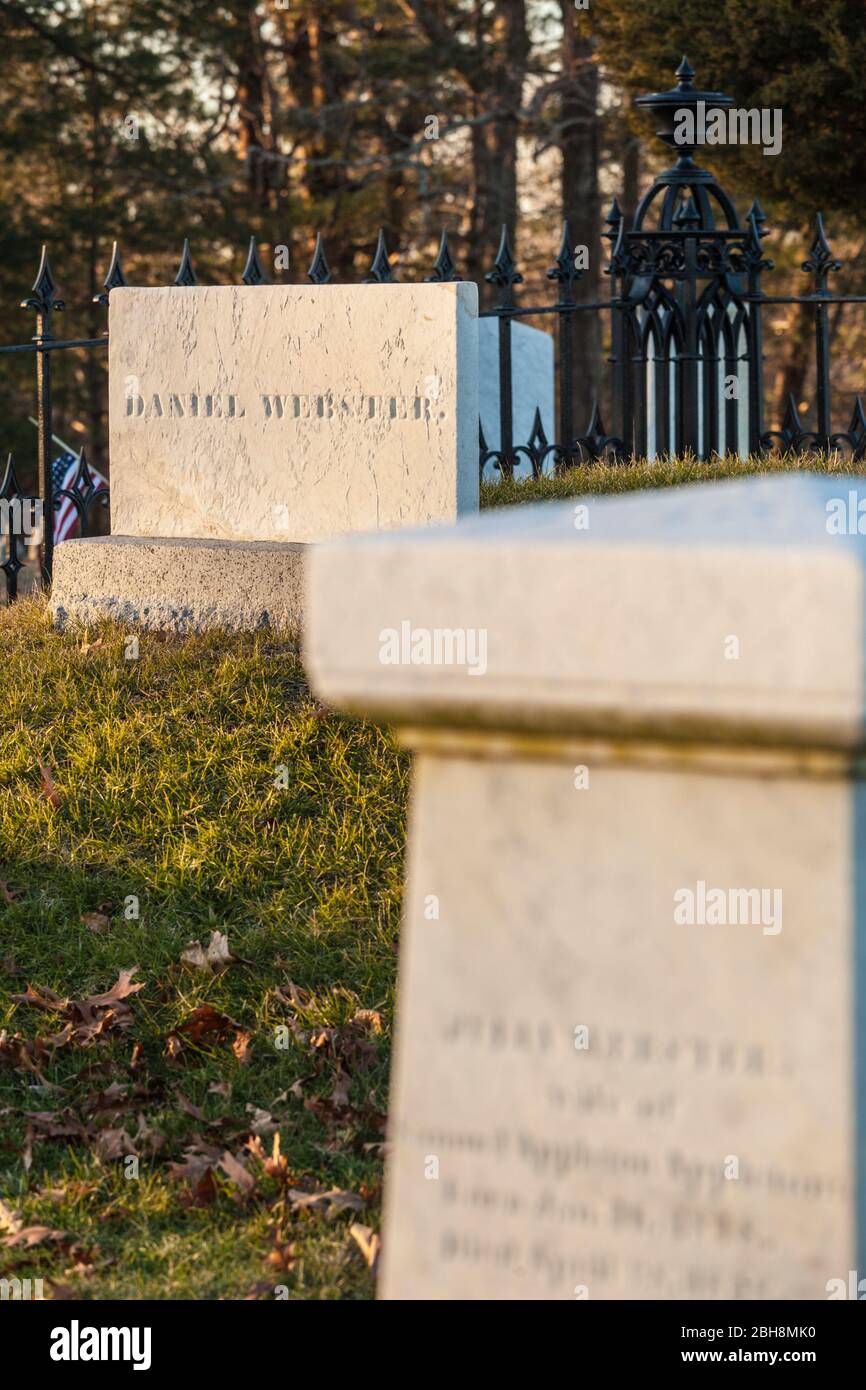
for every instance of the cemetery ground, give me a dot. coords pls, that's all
(212, 1124)
(155, 778)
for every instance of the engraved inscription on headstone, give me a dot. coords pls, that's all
(619, 1106)
(292, 412)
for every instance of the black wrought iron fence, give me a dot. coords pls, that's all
(686, 357)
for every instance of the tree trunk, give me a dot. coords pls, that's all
(579, 142)
(792, 375)
(498, 90)
(630, 177)
(264, 175)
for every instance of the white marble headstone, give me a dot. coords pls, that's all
(532, 388)
(291, 413)
(631, 1019)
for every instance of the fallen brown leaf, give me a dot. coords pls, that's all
(197, 1156)
(96, 921)
(49, 790)
(340, 1093)
(29, 1236)
(114, 1143)
(330, 1202)
(370, 1017)
(237, 1173)
(216, 957)
(263, 1122)
(188, 1107)
(289, 993)
(203, 1021)
(40, 998)
(86, 1020)
(119, 991)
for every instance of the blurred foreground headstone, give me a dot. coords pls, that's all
(630, 1027)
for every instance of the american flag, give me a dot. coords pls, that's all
(63, 471)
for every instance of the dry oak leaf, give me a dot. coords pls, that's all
(24, 1054)
(216, 957)
(113, 1098)
(189, 1109)
(114, 1143)
(371, 1017)
(196, 1172)
(40, 998)
(198, 1158)
(149, 1140)
(262, 1122)
(331, 1202)
(289, 993)
(237, 1173)
(51, 1124)
(86, 1019)
(32, 1235)
(340, 1093)
(202, 1021)
(96, 921)
(50, 792)
(120, 990)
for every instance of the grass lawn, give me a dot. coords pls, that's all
(204, 1128)
(159, 783)
(606, 478)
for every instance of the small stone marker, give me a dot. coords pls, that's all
(291, 413)
(631, 1021)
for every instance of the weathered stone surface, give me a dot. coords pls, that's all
(603, 1087)
(178, 585)
(292, 412)
(610, 614)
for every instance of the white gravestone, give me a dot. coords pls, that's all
(249, 421)
(291, 412)
(532, 365)
(631, 1024)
